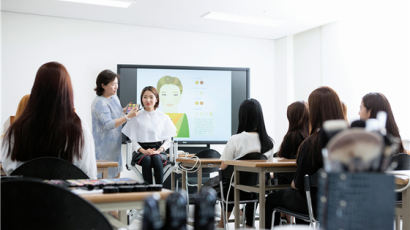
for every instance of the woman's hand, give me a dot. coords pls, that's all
(292, 185)
(134, 112)
(156, 151)
(147, 151)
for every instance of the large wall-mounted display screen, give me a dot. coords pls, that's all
(202, 102)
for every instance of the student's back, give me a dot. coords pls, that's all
(49, 125)
(298, 117)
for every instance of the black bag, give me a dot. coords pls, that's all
(356, 201)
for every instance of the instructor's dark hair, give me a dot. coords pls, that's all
(105, 77)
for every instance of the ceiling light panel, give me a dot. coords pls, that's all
(110, 3)
(258, 21)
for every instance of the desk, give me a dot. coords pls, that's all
(400, 182)
(102, 167)
(261, 167)
(190, 162)
(121, 202)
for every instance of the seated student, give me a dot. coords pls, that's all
(20, 108)
(150, 132)
(49, 125)
(371, 104)
(298, 117)
(324, 104)
(251, 137)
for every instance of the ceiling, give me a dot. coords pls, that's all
(294, 15)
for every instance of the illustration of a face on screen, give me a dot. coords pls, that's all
(170, 96)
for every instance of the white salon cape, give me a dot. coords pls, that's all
(150, 126)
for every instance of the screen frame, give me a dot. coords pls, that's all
(136, 66)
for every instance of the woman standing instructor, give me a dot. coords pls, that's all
(107, 118)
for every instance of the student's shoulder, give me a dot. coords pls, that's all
(240, 136)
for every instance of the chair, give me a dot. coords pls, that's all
(49, 168)
(192, 181)
(138, 169)
(401, 161)
(309, 181)
(362, 200)
(246, 178)
(32, 204)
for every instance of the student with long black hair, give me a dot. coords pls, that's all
(251, 137)
(324, 104)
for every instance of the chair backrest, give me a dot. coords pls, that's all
(356, 201)
(50, 168)
(402, 161)
(309, 183)
(245, 178)
(208, 153)
(33, 204)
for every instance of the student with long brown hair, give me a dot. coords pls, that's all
(49, 125)
(371, 104)
(324, 104)
(298, 117)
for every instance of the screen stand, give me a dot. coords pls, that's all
(193, 148)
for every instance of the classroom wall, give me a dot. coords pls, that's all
(356, 55)
(87, 47)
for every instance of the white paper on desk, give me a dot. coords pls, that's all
(80, 191)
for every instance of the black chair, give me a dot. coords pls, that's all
(49, 168)
(363, 200)
(192, 181)
(32, 204)
(400, 161)
(245, 178)
(309, 182)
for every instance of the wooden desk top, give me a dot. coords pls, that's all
(401, 180)
(202, 160)
(277, 162)
(123, 197)
(401, 177)
(106, 164)
(2, 173)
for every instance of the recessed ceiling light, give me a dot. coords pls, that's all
(241, 19)
(111, 3)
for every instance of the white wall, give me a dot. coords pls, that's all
(86, 48)
(358, 54)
